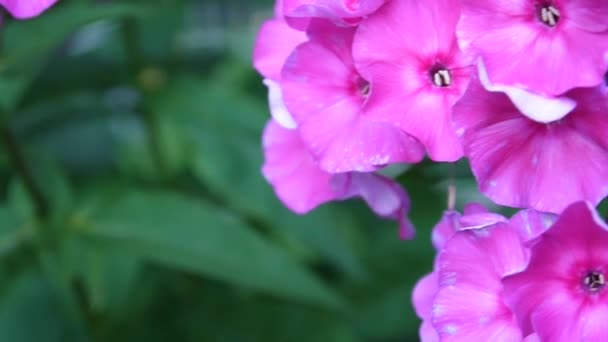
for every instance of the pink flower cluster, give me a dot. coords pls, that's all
(516, 87)
(24, 9)
(527, 278)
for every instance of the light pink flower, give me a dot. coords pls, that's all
(24, 9)
(562, 294)
(302, 185)
(545, 46)
(327, 97)
(523, 163)
(408, 51)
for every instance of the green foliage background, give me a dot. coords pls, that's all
(132, 205)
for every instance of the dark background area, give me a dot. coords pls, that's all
(132, 205)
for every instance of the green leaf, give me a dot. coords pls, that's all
(26, 48)
(31, 311)
(191, 235)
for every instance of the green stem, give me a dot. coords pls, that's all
(135, 63)
(19, 163)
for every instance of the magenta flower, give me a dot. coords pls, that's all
(524, 163)
(328, 99)
(562, 294)
(302, 185)
(545, 46)
(24, 9)
(408, 51)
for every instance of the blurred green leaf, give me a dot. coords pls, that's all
(30, 311)
(192, 235)
(25, 56)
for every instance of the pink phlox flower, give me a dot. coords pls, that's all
(408, 52)
(521, 162)
(544, 46)
(328, 98)
(302, 186)
(25, 9)
(562, 294)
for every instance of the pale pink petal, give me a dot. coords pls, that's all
(278, 111)
(480, 220)
(330, 9)
(275, 42)
(535, 106)
(23, 9)
(424, 294)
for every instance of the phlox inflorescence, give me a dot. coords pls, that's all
(25, 9)
(515, 87)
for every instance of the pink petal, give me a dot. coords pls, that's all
(292, 171)
(278, 111)
(424, 293)
(447, 226)
(531, 223)
(275, 42)
(384, 196)
(595, 326)
(468, 306)
(521, 163)
(428, 333)
(24, 9)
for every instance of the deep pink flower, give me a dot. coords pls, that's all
(302, 185)
(524, 163)
(328, 99)
(545, 46)
(562, 294)
(408, 51)
(299, 12)
(24, 9)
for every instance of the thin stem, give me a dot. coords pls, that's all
(135, 63)
(18, 160)
(451, 187)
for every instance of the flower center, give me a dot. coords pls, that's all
(441, 77)
(363, 87)
(594, 281)
(549, 15)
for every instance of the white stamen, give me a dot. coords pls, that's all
(549, 15)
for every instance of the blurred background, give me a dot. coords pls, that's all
(132, 205)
